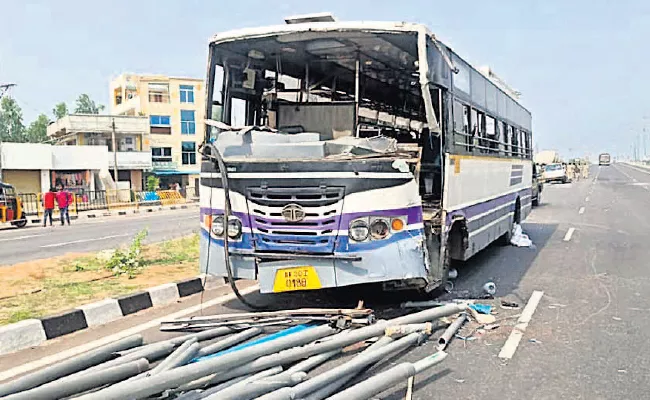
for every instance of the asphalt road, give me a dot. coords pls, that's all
(588, 339)
(35, 242)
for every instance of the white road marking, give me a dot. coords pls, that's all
(509, 348)
(581, 210)
(569, 233)
(54, 358)
(20, 238)
(83, 241)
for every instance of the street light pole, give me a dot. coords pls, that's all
(3, 89)
(114, 152)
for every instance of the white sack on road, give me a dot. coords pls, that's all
(519, 238)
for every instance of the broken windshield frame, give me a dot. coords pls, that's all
(327, 87)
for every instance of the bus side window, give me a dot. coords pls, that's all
(504, 139)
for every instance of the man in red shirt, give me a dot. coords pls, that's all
(64, 199)
(48, 205)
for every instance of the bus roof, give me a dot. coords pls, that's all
(321, 23)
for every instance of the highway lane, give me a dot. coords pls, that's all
(85, 235)
(590, 330)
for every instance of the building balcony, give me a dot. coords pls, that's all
(131, 160)
(128, 107)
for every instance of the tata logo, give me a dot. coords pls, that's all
(293, 213)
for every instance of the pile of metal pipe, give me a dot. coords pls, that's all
(256, 363)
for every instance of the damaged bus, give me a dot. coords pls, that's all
(344, 153)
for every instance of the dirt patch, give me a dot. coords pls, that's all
(37, 288)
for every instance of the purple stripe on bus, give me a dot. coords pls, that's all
(413, 214)
(480, 208)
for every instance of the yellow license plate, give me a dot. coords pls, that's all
(298, 278)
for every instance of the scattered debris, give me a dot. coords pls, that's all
(509, 305)
(453, 273)
(490, 288)
(481, 308)
(622, 371)
(519, 238)
(246, 364)
(534, 341)
(554, 306)
(490, 327)
(460, 380)
(617, 319)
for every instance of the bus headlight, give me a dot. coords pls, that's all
(217, 225)
(358, 230)
(234, 228)
(379, 229)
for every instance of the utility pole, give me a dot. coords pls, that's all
(3, 89)
(114, 151)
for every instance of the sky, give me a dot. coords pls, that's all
(581, 65)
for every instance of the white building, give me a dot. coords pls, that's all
(34, 168)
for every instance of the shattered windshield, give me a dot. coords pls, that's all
(263, 144)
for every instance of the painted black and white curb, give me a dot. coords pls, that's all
(33, 332)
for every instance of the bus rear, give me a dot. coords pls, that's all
(604, 159)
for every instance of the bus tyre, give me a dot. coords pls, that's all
(538, 199)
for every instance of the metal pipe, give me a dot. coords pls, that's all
(184, 357)
(200, 336)
(69, 386)
(387, 379)
(451, 331)
(242, 380)
(72, 365)
(229, 341)
(170, 379)
(290, 377)
(339, 340)
(362, 360)
(170, 359)
(334, 387)
(151, 353)
(357, 94)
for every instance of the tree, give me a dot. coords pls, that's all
(85, 105)
(37, 130)
(153, 183)
(60, 110)
(11, 121)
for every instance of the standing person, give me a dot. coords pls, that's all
(64, 199)
(48, 205)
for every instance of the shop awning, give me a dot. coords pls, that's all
(175, 172)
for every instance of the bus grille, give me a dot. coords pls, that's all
(316, 233)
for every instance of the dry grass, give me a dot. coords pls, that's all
(37, 288)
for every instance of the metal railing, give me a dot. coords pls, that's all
(110, 200)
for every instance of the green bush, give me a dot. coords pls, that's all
(153, 183)
(128, 262)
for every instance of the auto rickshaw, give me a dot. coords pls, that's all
(11, 207)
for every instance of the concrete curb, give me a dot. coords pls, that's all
(140, 210)
(116, 213)
(33, 332)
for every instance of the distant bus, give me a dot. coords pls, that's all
(604, 159)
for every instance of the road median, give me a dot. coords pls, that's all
(52, 297)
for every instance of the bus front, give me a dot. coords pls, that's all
(318, 126)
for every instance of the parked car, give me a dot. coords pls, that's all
(538, 186)
(556, 173)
